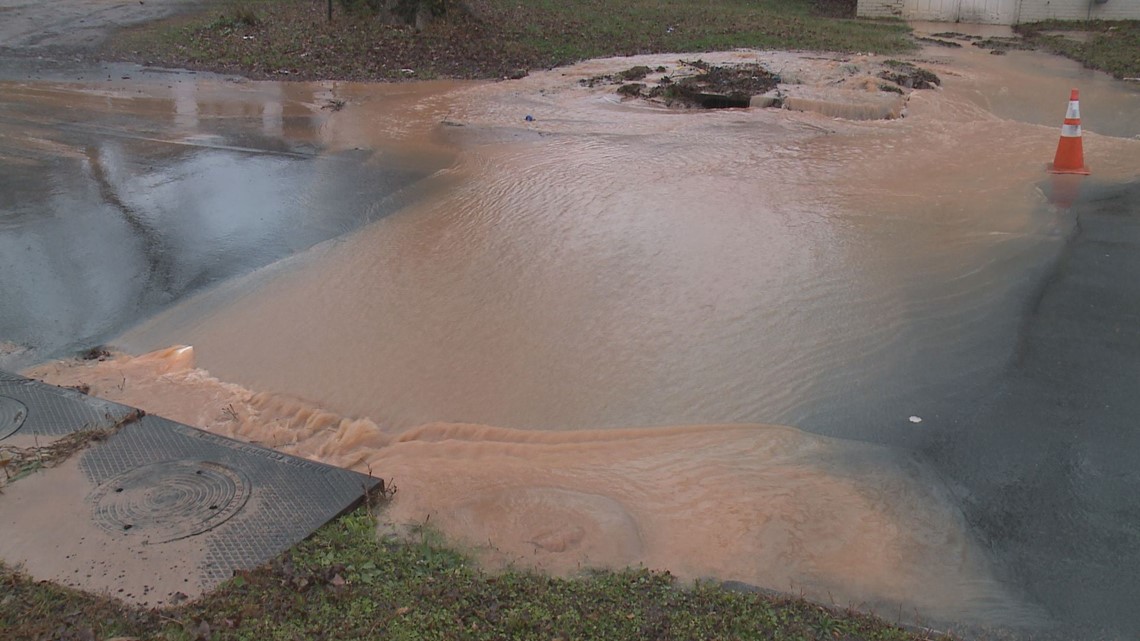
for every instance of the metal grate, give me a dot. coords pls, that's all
(12, 415)
(171, 500)
(280, 499)
(194, 505)
(56, 411)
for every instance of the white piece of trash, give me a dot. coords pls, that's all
(916, 419)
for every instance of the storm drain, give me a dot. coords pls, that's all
(172, 500)
(159, 511)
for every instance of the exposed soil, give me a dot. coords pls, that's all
(715, 86)
(997, 45)
(638, 72)
(1003, 43)
(905, 74)
(941, 43)
(698, 84)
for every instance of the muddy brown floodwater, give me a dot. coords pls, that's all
(128, 190)
(576, 351)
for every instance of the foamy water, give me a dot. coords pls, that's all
(615, 265)
(858, 524)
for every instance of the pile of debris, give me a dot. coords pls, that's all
(997, 45)
(904, 74)
(711, 87)
(859, 90)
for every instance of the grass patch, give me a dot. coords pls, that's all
(1111, 46)
(488, 38)
(345, 583)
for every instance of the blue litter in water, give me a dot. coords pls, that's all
(529, 118)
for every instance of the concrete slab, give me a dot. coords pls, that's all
(844, 103)
(160, 512)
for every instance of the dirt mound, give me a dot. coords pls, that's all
(842, 88)
(713, 87)
(904, 74)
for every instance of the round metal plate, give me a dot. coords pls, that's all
(169, 501)
(12, 415)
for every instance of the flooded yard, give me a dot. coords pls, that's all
(573, 328)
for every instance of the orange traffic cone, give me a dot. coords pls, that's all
(1070, 158)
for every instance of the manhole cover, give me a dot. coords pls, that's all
(12, 415)
(168, 501)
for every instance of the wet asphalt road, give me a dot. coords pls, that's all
(1046, 464)
(108, 216)
(131, 228)
(1043, 454)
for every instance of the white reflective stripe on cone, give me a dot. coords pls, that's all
(1071, 131)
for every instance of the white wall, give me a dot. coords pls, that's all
(1034, 10)
(998, 11)
(982, 11)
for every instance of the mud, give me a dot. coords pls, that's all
(710, 87)
(849, 92)
(905, 74)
